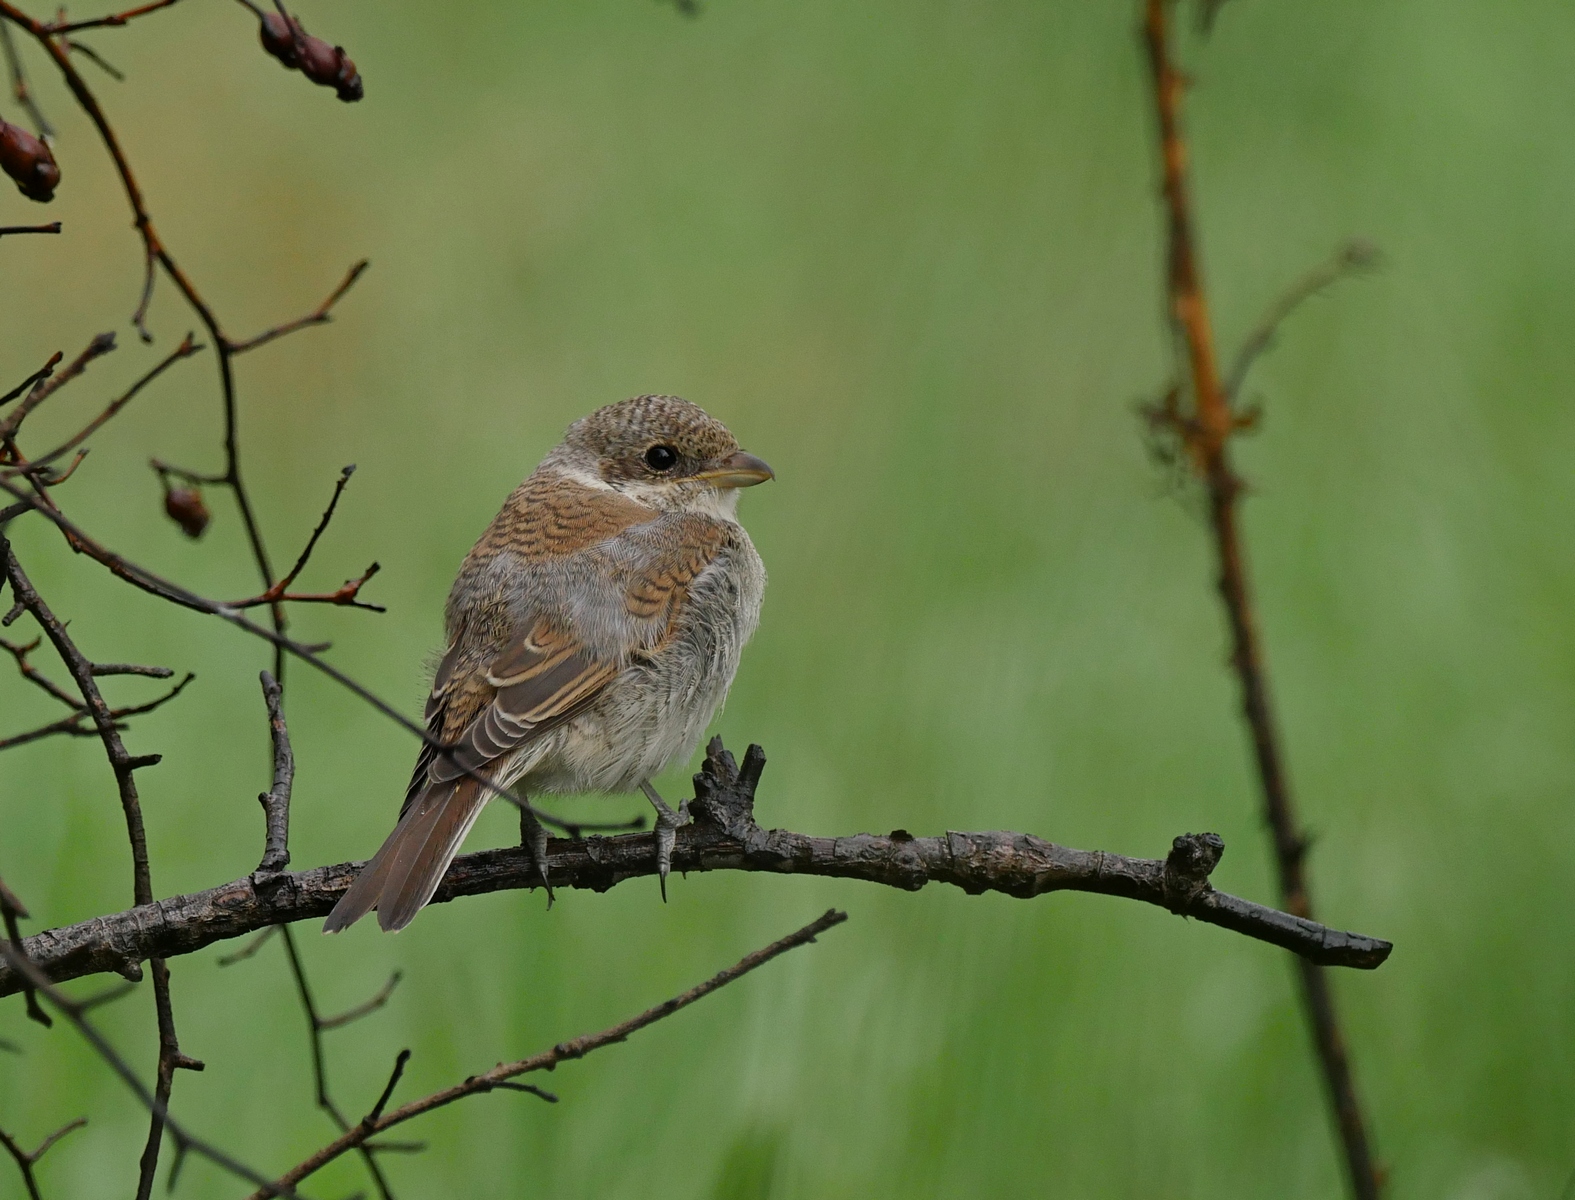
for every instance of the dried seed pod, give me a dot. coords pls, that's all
(278, 38)
(331, 67)
(185, 507)
(29, 162)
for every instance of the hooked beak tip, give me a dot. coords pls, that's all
(740, 470)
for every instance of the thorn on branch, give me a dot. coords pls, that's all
(284, 37)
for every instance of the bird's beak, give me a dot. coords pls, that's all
(738, 470)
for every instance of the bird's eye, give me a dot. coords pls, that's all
(661, 458)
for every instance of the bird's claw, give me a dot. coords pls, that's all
(533, 836)
(668, 823)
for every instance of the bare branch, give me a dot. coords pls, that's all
(376, 1121)
(1354, 256)
(1205, 433)
(276, 803)
(723, 837)
(49, 384)
(185, 350)
(51, 227)
(346, 595)
(25, 1162)
(115, 19)
(321, 315)
(43, 372)
(11, 911)
(365, 1008)
(19, 89)
(124, 765)
(96, 59)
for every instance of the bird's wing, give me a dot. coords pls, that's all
(486, 707)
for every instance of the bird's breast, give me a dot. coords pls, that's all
(656, 711)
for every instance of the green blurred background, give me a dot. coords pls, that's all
(910, 253)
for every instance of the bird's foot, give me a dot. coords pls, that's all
(533, 836)
(668, 823)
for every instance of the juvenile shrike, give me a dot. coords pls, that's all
(592, 635)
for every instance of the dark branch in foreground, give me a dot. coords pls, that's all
(723, 837)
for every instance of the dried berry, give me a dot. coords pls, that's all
(331, 67)
(278, 38)
(328, 66)
(185, 507)
(28, 161)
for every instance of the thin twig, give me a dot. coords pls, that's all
(25, 1162)
(36, 677)
(376, 1121)
(251, 947)
(185, 350)
(11, 911)
(1206, 433)
(73, 725)
(19, 88)
(159, 1108)
(43, 372)
(115, 19)
(1355, 255)
(315, 1027)
(124, 765)
(96, 59)
(51, 227)
(346, 595)
(51, 383)
(321, 315)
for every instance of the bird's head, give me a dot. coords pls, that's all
(663, 452)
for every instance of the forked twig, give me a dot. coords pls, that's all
(26, 1161)
(376, 1120)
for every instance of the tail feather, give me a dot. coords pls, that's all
(406, 870)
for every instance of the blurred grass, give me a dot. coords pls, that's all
(910, 254)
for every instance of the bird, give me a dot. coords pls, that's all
(592, 634)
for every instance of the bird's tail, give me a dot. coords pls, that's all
(405, 872)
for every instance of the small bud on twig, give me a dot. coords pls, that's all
(29, 162)
(185, 507)
(325, 65)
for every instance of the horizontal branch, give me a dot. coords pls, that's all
(723, 837)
